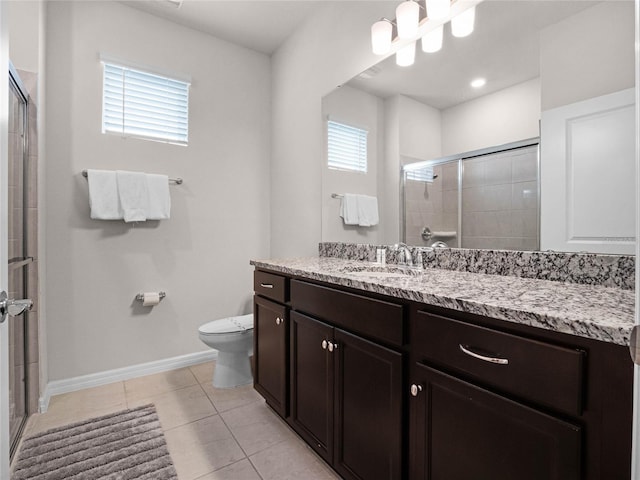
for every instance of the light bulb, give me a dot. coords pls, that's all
(478, 82)
(406, 55)
(408, 17)
(462, 25)
(438, 9)
(432, 41)
(381, 37)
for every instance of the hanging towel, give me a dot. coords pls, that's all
(349, 209)
(133, 194)
(103, 195)
(367, 211)
(159, 198)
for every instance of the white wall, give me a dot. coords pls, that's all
(360, 109)
(420, 129)
(24, 33)
(332, 47)
(602, 62)
(220, 215)
(509, 115)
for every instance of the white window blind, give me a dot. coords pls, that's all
(347, 147)
(146, 105)
(424, 174)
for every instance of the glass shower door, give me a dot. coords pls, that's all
(18, 262)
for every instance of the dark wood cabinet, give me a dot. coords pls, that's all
(460, 431)
(346, 399)
(384, 388)
(271, 353)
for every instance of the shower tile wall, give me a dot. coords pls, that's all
(433, 205)
(500, 201)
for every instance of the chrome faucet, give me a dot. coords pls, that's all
(408, 259)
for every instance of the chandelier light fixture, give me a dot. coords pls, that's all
(412, 23)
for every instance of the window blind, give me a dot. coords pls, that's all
(347, 147)
(144, 105)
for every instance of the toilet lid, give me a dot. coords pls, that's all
(228, 325)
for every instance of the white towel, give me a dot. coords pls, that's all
(133, 194)
(349, 209)
(159, 198)
(103, 195)
(367, 211)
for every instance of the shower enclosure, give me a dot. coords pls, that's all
(19, 260)
(488, 198)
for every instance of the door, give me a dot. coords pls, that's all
(4, 333)
(312, 383)
(459, 431)
(270, 334)
(368, 409)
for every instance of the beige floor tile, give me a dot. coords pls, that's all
(256, 427)
(204, 372)
(291, 460)
(179, 407)
(76, 406)
(243, 470)
(202, 447)
(227, 398)
(152, 385)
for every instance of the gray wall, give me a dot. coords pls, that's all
(220, 215)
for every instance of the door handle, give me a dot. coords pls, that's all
(12, 307)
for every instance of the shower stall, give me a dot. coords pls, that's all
(22, 268)
(488, 198)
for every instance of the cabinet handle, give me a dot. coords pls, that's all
(278, 320)
(496, 360)
(324, 344)
(415, 390)
(332, 346)
(266, 285)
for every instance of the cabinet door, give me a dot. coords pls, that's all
(312, 383)
(461, 432)
(368, 403)
(270, 353)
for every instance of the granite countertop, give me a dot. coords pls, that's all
(600, 313)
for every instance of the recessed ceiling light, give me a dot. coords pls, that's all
(478, 82)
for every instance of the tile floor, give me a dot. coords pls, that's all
(212, 434)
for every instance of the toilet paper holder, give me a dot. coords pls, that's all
(140, 296)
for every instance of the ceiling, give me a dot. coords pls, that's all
(261, 25)
(504, 49)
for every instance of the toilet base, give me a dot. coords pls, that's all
(233, 369)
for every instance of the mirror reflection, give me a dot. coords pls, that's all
(536, 58)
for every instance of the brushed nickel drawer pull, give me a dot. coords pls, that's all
(499, 361)
(266, 285)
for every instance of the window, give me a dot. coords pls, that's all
(145, 105)
(346, 147)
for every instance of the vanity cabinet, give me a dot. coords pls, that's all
(386, 388)
(346, 391)
(271, 340)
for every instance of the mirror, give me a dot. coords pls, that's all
(537, 59)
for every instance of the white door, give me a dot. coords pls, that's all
(4, 331)
(587, 175)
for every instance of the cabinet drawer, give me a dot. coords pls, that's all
(270, 286)
(366, 316)
(546, 374)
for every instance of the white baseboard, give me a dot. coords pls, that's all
(58, 387)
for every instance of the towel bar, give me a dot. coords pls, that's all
(177, 181)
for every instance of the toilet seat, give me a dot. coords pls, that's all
(227, 325)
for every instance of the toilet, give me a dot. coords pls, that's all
(233, 338)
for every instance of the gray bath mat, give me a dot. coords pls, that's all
(125, 445)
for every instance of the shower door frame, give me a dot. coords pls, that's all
(16, 85)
